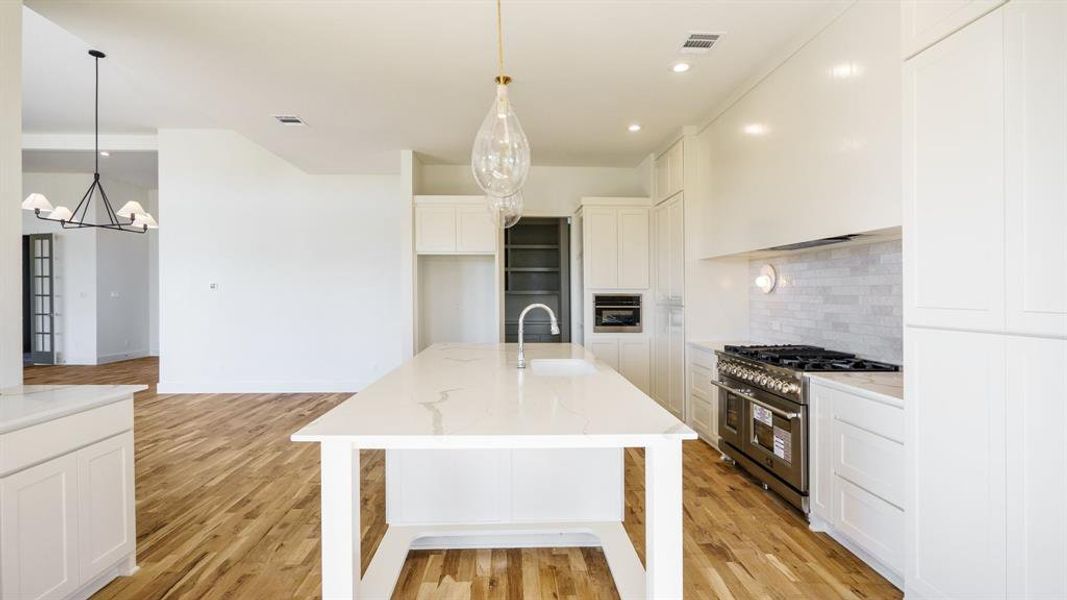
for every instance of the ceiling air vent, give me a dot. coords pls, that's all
(290, 120)
(700, 42)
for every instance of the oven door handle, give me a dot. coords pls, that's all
(790, 416)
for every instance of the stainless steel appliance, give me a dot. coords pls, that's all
(763, 410)
(617, 313)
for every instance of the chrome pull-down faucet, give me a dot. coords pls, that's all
(555, 329)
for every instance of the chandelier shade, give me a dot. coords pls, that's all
(37, 201)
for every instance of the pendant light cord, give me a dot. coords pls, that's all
(96, 119)
(499, 43)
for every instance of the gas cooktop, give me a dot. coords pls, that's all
(808, 358)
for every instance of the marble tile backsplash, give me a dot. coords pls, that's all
(847, 299)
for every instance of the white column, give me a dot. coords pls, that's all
(663, 520)
(340, 520)
(10, 193)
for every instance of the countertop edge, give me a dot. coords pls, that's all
(445, 442)
(856, 389)
(111, 396)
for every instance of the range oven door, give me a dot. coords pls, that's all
(731, 415)
(770, 430)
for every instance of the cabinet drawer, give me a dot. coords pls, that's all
(872, 523)
(702, 358)
(878, 417)
(24, 447)
(869, 461)
(702, 414)
(700, 380)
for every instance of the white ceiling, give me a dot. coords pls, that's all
(374, 77)
(140, 168)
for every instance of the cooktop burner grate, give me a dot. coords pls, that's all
(808, 358)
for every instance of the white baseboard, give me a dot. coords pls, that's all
(103, 359)
(259, 387)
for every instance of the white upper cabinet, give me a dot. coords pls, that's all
(1036, 168)
(954, 180)
(927, 21)
(668, 224)
(615, 245)
(454, 225)
(670, 171)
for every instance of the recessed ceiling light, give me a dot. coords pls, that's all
(105, 153)
(680, 67)
(634, 127)
(755, 129)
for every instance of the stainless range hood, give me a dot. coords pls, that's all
(850, 239)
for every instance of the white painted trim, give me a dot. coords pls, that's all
(85, 141)
(881, 568)
(384, 569)
(120, 356)
(435, 199)
(259, 387)
(615, 201)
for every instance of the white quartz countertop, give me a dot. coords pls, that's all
(472, 396)
(889, 385)
(713, 345)
(27, 405)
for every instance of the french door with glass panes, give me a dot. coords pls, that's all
(42, 300)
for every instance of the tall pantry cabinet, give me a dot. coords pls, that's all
(985, 277)
(668, 284)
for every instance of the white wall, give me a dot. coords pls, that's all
(122, 283)
(457, 299)
(10, 193)
(101, 278)
(152, 206)
(549, 191)
(307, 269)
(828, 158)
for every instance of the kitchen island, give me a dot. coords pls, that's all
(482, 454)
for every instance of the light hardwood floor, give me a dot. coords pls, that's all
(228, 507)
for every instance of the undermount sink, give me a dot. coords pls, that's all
(561, 367)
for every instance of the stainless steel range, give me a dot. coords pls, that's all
(763, 410)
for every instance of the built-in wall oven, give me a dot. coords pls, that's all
(617, 313)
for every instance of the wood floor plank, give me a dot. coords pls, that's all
(228, 507)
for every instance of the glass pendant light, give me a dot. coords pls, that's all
(500, 159)
(505, 212)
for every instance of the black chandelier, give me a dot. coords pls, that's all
(131, 218)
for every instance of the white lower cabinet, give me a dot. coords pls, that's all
(67, 523)
(857, 473)
(39, 538)
(627, 355)
(702, 398)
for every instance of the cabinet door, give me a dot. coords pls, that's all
(954, 181)
(633, 362)
(633, 248)
(675, 169)
(601, 247)
(662, 177)
(955, 390)
(676, 241)
(661, 355)
(607, 351)
(38, 541)
(701, 415)
(821, 459)
(661, 241)
(1036, 170)
(435, 229)
(676, 361)
(107, 531)
(474, 231)
(1037, 477)
(927, 21)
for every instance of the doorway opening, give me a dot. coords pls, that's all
(38, 300)
(537, 270)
